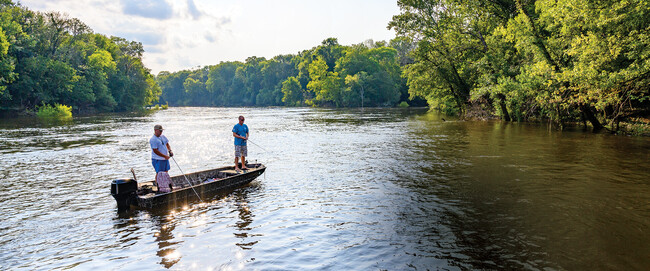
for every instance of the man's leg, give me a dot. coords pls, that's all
(243, 162)
(155, 168)
(237, 150)
(244, 152)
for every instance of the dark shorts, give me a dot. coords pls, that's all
(160, 165)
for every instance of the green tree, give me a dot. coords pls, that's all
(381, 75)
(292, 92)
(356, 84)
(325, 85)
(7, 74)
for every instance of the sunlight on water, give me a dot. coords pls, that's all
(174, 255)
(379, 189)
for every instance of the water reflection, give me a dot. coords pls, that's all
(245, 219)
(171, 229)
(164, 237)
(502, 202)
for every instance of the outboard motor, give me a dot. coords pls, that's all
(124, 190)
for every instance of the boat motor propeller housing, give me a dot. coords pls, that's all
(124, 190)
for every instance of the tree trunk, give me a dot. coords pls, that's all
(591, 117)
(504, 109)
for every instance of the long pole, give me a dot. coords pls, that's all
(188, 181)
(256, 145)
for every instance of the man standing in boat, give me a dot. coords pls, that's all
(240, 132)
(160, 150)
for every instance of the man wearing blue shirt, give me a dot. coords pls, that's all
(240, 132)
(160, 150)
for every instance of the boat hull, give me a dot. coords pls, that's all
(202, 182)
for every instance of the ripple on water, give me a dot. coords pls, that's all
(379, 189)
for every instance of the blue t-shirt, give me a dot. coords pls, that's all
(241, 130)
(159, 143)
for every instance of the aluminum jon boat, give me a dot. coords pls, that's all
(129, 192)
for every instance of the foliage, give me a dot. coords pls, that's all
(316, 77)
(55, 111)
(51, 58)
(559, 60)
(292, 92)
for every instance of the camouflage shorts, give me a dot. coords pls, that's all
(241, 151)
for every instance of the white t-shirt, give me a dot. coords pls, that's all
(159, 143)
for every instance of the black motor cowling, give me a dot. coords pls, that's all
(124, 190)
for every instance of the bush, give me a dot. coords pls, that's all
(165, 106)
(55, 111)
(403, 104)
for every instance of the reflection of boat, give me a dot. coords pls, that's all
(128, 192)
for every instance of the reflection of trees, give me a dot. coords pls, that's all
(246, 218)
(362, 116)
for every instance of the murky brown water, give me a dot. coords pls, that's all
(344, 190)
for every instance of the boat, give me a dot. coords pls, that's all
(186, 188)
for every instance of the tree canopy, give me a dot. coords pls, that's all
(315, 77)
(559, 60)
(49, 58)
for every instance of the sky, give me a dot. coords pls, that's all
(187, 34)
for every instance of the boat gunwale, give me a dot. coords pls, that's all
(156, 195)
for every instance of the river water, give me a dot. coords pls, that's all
(378, 189)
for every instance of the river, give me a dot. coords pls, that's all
(378, 189)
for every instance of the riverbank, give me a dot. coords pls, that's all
(635, 127)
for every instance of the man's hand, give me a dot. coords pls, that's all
(170, 153)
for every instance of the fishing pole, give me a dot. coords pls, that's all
(188, 181)
(256, 145)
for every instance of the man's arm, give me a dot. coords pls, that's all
(170, 150)
(156, 151)
(238, 136)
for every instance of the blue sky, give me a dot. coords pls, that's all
(185, 34)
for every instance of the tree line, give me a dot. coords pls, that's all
(556, 60)
(328, 75)
(49, 58)
(522, 60)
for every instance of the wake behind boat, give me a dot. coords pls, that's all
(129, 192)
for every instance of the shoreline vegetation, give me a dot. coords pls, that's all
(54, 111)
(554, 62)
